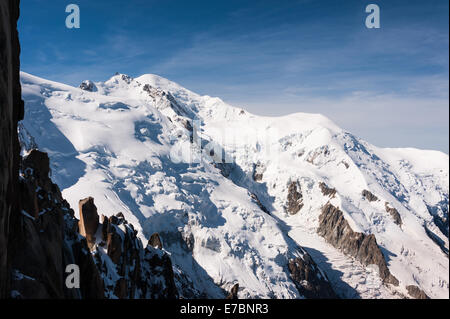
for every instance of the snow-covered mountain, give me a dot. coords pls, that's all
(237, 198)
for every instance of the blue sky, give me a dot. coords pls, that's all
(388, 85)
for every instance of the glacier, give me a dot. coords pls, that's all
(215, 182)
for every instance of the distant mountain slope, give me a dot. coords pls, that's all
(150, 149)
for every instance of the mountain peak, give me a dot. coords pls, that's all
(218, 190)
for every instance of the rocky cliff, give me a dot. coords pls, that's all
(337, 231)
(127, 268)
(11, 111)
(44, 239)
(309, 279)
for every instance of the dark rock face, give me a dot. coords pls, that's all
(294, 198)
(44, 239)
(167, 99)
(394, 214)
(11, 111)
(224, 168)
(369, 196)
(345, 164)
(155, 241)
(327, 191)
(187, 125)
(88, 223)
(88, 86)
(114, 241)
(416, 292)
(128, 270)
(258, 202)
(336, 230)
(258, 172)
(233, 292)
(309, 280)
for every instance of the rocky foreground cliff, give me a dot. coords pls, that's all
(11, 111)
(46, 238)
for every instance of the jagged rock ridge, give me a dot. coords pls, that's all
(336, 230)
(47, 237)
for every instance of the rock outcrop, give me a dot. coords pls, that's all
(44, 239)
(310, 281)
(258, 172)
(155, 241)
(233, 292)
(369, 196)
(394, 214)
(11, 111)
(258, 202)
(327, 191)
(88, 223)
(88, 85)
(294, 198)
(336, 230)
(128, 270)
(416, 292)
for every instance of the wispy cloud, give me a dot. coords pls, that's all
(281, 59)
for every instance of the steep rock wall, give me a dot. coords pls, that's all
(11, 111)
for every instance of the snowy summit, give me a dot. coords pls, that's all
(243, 199)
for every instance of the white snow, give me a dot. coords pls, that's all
(118, 144)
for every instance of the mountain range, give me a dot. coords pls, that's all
(264, 207)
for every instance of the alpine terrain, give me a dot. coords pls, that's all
(230, 203)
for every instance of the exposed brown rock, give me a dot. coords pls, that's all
(321, 152)
(416, 292)
(158, 276)
(45, 239)
(155, 241)
(114, 242)
(394, 214)
(233, 292)
(138, 272)
(369, 196)
(120, 215)
(105, 224)
(309, 280)
(11, 111)
(187, 125)
(88, 223)
(44, 244)
(294, 198)
(258, 172)
(327, 191)
(336, 230)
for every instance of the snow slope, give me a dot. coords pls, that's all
(127, 143)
